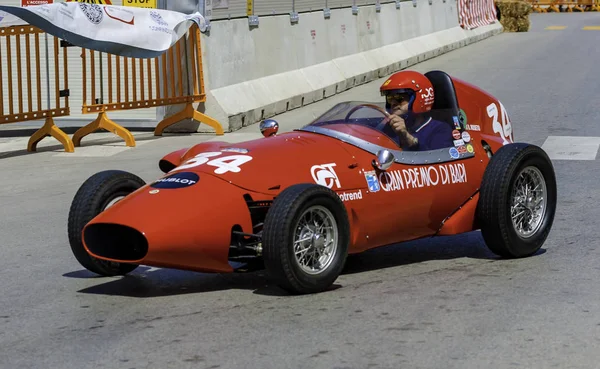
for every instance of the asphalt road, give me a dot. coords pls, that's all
(448, 303)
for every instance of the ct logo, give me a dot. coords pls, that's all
(325, 175)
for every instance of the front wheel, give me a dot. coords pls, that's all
(517, 200)
(95, 195)
(305, 238)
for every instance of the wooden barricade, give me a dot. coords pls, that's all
(152, 76)
(24, 96)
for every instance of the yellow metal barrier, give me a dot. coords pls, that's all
(141, 71)
(546, 6)
(26, 110)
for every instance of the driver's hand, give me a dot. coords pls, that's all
(397, 124)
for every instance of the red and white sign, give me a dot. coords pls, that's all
(25, 3)
(476, 13)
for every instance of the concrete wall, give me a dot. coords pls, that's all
(252, 73)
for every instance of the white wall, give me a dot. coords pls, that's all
(253, 73)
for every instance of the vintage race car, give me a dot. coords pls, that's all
(297, 203)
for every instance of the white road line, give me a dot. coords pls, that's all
(571, 147)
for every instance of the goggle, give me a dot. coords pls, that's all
(398, 98)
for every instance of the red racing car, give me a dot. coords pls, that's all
(299, 202)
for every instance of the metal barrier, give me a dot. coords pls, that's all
(165, 69)
(29, 105)
(550, 6)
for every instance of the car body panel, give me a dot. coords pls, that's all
(183, 229)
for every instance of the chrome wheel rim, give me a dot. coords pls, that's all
(315, 240)
(528, 205)
(113, 201)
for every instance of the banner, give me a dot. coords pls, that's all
(125, 31)
(476, 13)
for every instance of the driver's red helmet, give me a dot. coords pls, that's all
(414, 83)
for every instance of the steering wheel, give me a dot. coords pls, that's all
(372, 106)
(381, 125)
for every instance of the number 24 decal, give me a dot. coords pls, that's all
(224, 164)
(504, 129)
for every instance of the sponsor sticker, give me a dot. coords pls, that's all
(470, 148)
(431, 176)
(456, 122)
(459, 142)
(456, 134)
(372, 181)
(462, 150)
(428, 96)
(177, 180)
(466, 136)
(453, 153)
(350, 196)
(325, 175)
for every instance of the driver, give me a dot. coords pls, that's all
(408, 94)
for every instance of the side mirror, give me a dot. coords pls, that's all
(269, 127)
(384, 160)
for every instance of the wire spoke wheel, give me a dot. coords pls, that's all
(529, 203)
(517, 201)
(315, 240)
(306, 237)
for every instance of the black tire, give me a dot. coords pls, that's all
(90, 200)
(278, 238)
(494, 206)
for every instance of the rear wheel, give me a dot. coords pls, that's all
(517, 200)
(305, 238)
(96, 194)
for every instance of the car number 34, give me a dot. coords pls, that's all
(504, 129)
(223, 164)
